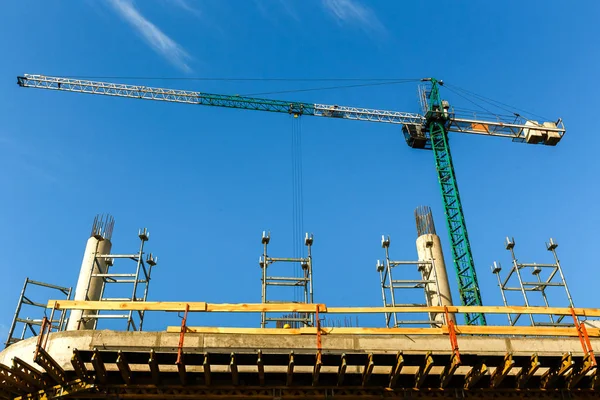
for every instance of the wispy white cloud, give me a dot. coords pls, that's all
(185, 5)
(156, 38)
(353, 12)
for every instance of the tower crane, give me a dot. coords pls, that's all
(428, 130)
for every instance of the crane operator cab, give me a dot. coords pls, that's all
(415, 136)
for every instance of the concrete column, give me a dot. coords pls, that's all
(88, 287)
(429, 248)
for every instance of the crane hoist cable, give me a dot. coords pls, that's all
(495, 103)
(330, 88)
(297, 199)
(472, 102)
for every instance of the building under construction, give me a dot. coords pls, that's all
(297, 349)
(90, 342)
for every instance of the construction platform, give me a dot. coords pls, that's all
(315, 362)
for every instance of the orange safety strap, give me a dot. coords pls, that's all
(583, 337)
(50, 325)
(182, 335)
(318, 324)
(452, 334)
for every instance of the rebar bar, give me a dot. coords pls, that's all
(424, 220)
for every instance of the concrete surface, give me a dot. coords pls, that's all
(61, 344)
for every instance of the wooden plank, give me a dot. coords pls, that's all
(260, 307)
(522, 331)
(309, 331)
(396, 369)
(243, 331)
(460, 330)
(589, 312)
(306, 308)
(171, 306)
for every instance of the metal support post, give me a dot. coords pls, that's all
(389, 285)
(139, 278)
(29, 323)
(305, 282)
(554, 278)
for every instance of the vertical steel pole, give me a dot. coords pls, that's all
(135, 283)
(516, 269)
(146, 288)
(16, 315)
(501, 285)
(263, 316)
(562, 277)
(383, 277)
(543, 290)
(63, 313)
(389, 272)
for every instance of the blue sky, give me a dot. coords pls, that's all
(208, 181)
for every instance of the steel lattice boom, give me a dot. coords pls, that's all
(429, 131)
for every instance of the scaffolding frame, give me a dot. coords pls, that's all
(304, 282)
(29, 324)
(140, 279)
(554, 279)
(390, 286)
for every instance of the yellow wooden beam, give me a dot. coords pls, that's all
(310, 331)
(460, 330)
(260, 307)
(306, 308)
(173, 306)
(589, 312)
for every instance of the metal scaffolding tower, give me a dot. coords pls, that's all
(29, 324)
(304, 282)
(393, 289)
(139, 280)
(546, 276)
